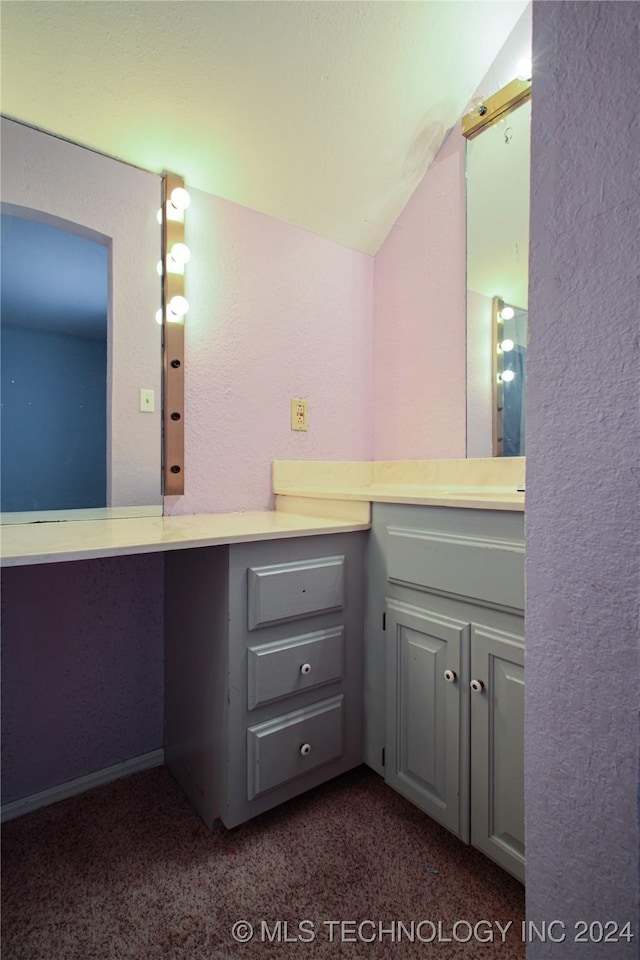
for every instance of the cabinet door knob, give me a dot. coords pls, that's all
(477, 686)
(305, 668)
(305, 749)
(450, 676)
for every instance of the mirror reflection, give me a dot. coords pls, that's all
(81, 348)
(53, 322)
(498, 166)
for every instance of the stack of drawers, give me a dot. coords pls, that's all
(277, 706)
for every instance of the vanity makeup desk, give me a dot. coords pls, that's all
(376, 604)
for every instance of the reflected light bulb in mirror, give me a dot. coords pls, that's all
(180, 254)
(507, 313)
(160, 268)
(159, 317)
(178, 306)
(508, 376)
(180, 198)
(159, 215)
(507, 345)
(525, 69)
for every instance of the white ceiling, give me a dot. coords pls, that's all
(323, 114)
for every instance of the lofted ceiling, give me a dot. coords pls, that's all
(323, 114)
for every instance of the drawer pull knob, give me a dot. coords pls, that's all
(450, 676)
(305, 668)
(477, 686)
(305, 749)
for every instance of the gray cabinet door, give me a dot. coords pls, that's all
(424, 708)
(497, 746)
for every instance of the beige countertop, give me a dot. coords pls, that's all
(312, 498)
(52, 542)
(482, 484)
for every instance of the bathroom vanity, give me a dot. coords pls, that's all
(444, 636)
(444, 676)
(375, 615)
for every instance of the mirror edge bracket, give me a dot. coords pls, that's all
(495, 107)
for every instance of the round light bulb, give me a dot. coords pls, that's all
(525, 69)
(180, 254)
(160, 268)
(507, 313)
(178, 306)
(507, 345)
(508, 376)
(180, 198)
(159, 317)
(159, 215)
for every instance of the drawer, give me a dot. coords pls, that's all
(286, 591)
(485, 568)
(285, 667)
(286, 747)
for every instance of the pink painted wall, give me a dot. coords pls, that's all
(419, 333)
(275, 312)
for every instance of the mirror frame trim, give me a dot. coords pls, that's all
(495, 107)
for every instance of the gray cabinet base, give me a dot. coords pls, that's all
(444, 669)
(263, 670)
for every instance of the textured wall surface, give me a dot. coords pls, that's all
(583, 498)
(419, 342)
(82, 668)
(120, 203)
(275, 313)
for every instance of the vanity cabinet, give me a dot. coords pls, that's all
(444, 669)
(263, 670)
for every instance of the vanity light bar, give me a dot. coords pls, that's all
(495, 107)
(497, 336)
(175, 201)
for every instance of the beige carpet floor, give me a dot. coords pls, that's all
(129, 871)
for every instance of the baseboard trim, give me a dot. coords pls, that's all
(146, 761)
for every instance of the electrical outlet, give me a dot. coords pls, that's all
(147, 401)
(298, 414)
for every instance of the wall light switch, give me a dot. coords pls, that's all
(298, 414)
(147, 401)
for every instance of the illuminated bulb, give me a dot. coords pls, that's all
(507, 313)
(507, 345)
(159, 215)
(180, 254)
(160, 268)
(180, 198)
(508, 376)
(159, 317)
(178, 306)
(525, 69)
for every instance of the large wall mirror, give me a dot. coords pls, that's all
(81, 348)
(498, 164)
